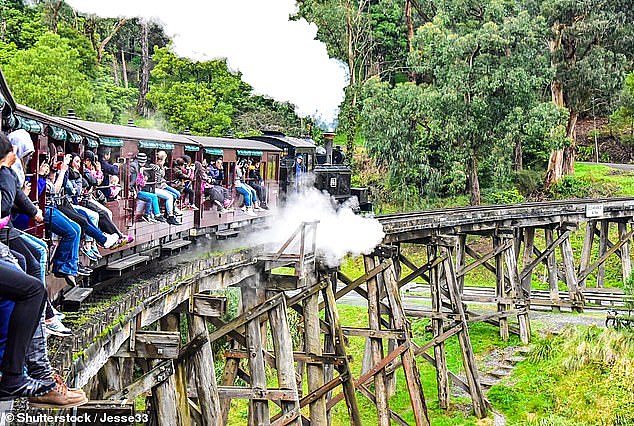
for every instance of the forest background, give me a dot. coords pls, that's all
(448, 102)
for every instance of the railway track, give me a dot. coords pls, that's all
(599, 299)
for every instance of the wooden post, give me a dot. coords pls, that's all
(205, 373)
(412, 376)
(527, 256)
(500, 289)
(283, 347)
(518, 289)
(437, 328)
(252, 296)
(165, 400)
(468, 359)
(314, 372)
(586, 250)
(340, 349)
(229, 374)
(603, 247)
(460, 259)
(171, 322)
(376, 345)
(109, 378)
(626, 261)
(551, 264)
(569, 270)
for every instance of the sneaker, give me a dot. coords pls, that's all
(55, 327)
(264, 206)
(160, 218)
(95, 252)
(89, 254)
(84, 271)
(147, 218)
(58, 314)
(130, 239)
(12, 387)
(250, 212)
(111, 240)
(177, 211)
(172, 220)
(194, 208)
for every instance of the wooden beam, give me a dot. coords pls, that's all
(153, 344)
(608, 253)
(540, 258)
(368, 332)
(484, 259)
(239, 392)
(209, 306)
(158, 374)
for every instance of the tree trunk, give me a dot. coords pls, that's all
(474, 181)
(144, 79)
(102, 46)
(115, 70)
(517, 156)
(410, 35)
(124, 70)
(568, 165)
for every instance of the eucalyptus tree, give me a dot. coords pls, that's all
(484, 66)
(589, 42)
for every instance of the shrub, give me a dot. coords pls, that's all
(511, 196)
(528, 182)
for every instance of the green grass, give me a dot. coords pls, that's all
(623, 181)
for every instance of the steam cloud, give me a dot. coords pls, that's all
(339, 232)
(279, 58)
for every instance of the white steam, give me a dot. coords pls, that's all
(280, 58)
(339, 232)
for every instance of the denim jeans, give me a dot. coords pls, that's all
(151, 200)
(173, 191)
(67, 253)
(92, 216)
(41, 247)
(169, 199)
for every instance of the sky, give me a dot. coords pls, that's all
(278, 57)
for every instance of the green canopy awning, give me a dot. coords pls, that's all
(57, 133)
(92, 143)
(192, 148)
(74, 137)
(110, 141)
(249, 153)
(31, 126)
(156, 145)
(214, 151)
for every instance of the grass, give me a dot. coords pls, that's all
(621, 180)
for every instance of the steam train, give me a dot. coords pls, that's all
(54, 137)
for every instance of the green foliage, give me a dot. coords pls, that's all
(570, 187)
(511, 196)
(528, 182)
(201, 96)
(624, 115)
(47, 77)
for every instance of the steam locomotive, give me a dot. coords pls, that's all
(54, 137)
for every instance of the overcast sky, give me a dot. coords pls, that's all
(278, 57)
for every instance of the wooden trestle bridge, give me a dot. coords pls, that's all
(143, 329)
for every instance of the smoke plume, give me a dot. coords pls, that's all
(278, 57)
(339, 232)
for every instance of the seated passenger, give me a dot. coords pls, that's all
(250, 197)
(139, 187)
(254, 179)
(182, 178)
(218, 194)
(151, 174)
(161, 183)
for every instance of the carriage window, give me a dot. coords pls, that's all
(271, 167)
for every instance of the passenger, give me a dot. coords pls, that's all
(139, 186)
(299, 172)
(182, 178)
(107, 168)
(64, 205)
(89, 200)
(115, 188)
(254, 179)
(212, 188)
(163, 190)
(151, 172)
(65, 260)
(250, 197)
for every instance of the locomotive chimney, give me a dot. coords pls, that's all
(71, 113)
(328, 142)
(131, 123)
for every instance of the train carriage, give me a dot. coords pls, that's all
(231, 151)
